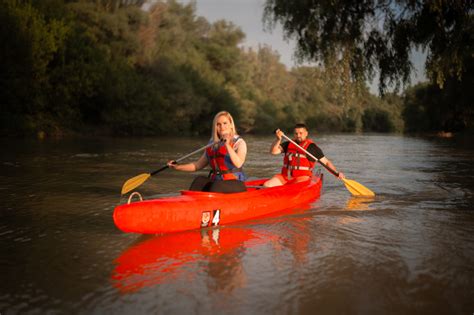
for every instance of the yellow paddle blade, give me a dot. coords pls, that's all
(357, 189)
(134, 182)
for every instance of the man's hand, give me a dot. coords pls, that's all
(279, 134)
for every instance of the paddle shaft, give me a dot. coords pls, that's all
(183, 157)
(309, 154)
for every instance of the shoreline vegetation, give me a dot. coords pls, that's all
(465, 135)
(110, 68)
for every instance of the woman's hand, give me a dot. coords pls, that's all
(172, 164)
(227, 139)
(189, 167)
(237, 154)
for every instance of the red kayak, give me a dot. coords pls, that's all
(194, 209)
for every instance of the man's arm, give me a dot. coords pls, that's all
(328, 163)
(276, 147)
(318, 153)
(315, 151)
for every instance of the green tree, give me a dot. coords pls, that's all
(368, 35)
(28, 44)
(108, 66)
(377, 120)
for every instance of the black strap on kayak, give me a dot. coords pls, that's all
(219, 172)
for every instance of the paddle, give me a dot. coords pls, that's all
(354, 187)
(136, 181)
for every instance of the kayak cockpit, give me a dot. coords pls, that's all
(249, 185)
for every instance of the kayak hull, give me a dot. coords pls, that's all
(193, 210)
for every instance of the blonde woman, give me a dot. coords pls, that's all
(226, 158)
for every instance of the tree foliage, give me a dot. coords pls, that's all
(110, 67)
(371, 35)
(427, 107)
(28, 45)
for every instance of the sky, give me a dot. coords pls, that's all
(247, 14)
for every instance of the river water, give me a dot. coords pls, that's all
(408, 251)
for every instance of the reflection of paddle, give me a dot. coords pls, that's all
(359, 203)
(354, 187)
(136, 181)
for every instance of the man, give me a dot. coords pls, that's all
(296, 163)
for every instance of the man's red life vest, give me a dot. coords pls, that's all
(295, 162)
(221, 164)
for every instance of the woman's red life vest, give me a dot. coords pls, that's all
(221, 164)
(295, 162)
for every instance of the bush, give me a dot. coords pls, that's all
(378, 120)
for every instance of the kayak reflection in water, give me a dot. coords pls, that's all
(296, 164)
(210, 254)
(226, 158)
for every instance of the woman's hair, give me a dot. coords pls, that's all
(233, 130)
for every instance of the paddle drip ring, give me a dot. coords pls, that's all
(135, 193)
